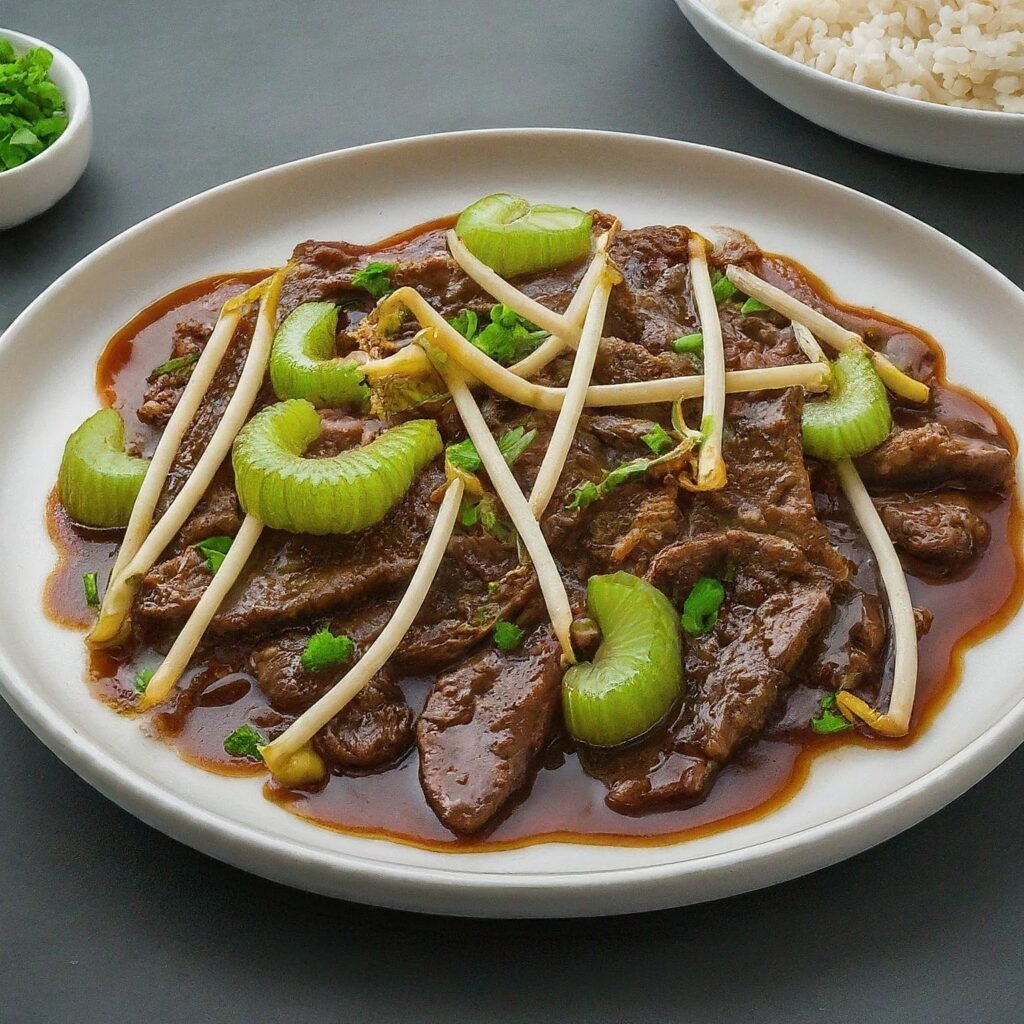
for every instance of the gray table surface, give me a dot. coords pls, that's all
(104, 920)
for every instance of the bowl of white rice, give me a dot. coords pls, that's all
(936, 81)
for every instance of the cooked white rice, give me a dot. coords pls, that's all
(967, 53)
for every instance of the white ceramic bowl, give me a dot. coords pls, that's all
(980, 140)
(36, 185)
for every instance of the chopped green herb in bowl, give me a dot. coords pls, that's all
(33, 114)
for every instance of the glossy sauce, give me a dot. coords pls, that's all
(564, 803)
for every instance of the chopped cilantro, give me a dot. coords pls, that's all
(324, 649)
(215, 549)
(588, 492)
(688, 344)
(506, 339)
(492, 522)
(90, 583)
(700, 609)
(176, 365)
(466, 324)
(142, 678)
(754, 306)
(245, 742)
(374, 278)
(32, 110)
(507, 635)
(722, 287)
(463, 454)
(659, 440)
(830, 719)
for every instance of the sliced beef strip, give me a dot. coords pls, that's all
(484, 728)
(776, 603)
(768, 489)
(931, 455)
(163, 390)
(939, 529)
(371, 732)
(290, 578)
(631, 525)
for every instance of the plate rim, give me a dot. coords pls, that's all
(419, 886)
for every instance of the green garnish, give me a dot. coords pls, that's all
(754, 306)
(700, 609)
(507, 635)
(470, 515)
(375, 278)
(588, 492)
(659, 440)
(463, 454)
(830, 719)
(215, 549)
(32, 110)
(245, 742)
(492, 522)
(176, 365)
(506, 339)
(689, 343)
(324, 649)
(90, 583)
(722, 288)
(142, 678)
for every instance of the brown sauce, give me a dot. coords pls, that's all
(564, 803)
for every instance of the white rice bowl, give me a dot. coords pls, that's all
(966, 53)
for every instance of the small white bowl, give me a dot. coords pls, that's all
(980, 140)
(37, 184)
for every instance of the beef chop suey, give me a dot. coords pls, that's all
(471, 697)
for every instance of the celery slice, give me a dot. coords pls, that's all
(303, 362)
(637, 672)
(343, 494)
(512, 237)
(98, 481)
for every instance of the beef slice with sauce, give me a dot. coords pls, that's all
(940, 530)
(290, 578)
(776, 602)
(484, 727)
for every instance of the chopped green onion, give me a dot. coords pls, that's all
(214, 549)
(142, 678)
(342, 494)
(588, 492)
(98, 480)
(506, 339)
(245, 742)
(754, 306)
(91, 586)
(854, 417)
(721, 287)
(492, 522)
(512, 237)
(33, 114)
(700, 609)
(659, 440)
(375, 278)
(303, 363)
(176, 365)
(463, 454)
(324, 649)
(689, 343)
(584, 495)
(470, 515)
(637, 671)
(829, 718)
(507, 635)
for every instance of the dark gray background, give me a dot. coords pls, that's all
(104, 920)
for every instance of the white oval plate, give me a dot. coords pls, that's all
(871, 253)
